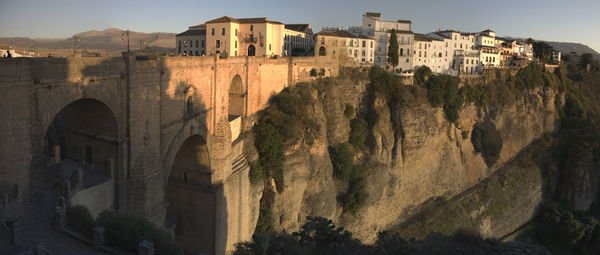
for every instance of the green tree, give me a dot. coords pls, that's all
(421, 74)
(587, 59)
(543, 52)
(393, 50)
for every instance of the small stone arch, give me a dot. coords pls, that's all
(322, 51)
(237, 97)
(251, 50)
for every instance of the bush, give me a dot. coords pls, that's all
(358, 133)
(342, 160)
(257, 173)
(349, 111)
(265, 217)
(126, 231)
(477, 95)
(421, 74)
(313, 72)
(322, 72)
(443, 92)
(476, 139)
(270, 150)
(355, 197)
(80, 218)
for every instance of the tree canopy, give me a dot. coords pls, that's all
(393, 50)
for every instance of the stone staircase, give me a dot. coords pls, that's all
(239, 164)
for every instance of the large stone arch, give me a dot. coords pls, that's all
(86, 131)
(192, 200)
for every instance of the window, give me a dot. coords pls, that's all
(407, 52)
(222, 31)
(419, 54)
(236, 53)
(197, 53)
(262, 44)
(440, 54)
(236, 32)
(218, 44)
(269, 46)
(235, 44)
(446, 53)
(419, 46)
(446, 44)
(425, 54)
(212, 32)
(202, 43)
(461, 45)
(363, 53)
(455, 37)
(401, 52)
(364, 43)
(251, 27)
(407, 60)
(371, 44)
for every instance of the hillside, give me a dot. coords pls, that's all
(108, 39)
(579, 48)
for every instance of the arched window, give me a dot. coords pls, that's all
(322, 51)
(189, 108)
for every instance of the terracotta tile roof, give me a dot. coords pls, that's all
(401, 31)
(422, 37)
(404, 21)
(224, 19)
(373, 14)
(298, 27)
(198, 26)
(342, 33)
(192, 32)
(257, 20)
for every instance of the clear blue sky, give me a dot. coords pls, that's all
(567, 21)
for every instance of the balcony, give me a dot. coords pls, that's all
(254, 39)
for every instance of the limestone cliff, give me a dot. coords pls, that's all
(415, 154)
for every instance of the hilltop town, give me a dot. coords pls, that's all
(448, 51)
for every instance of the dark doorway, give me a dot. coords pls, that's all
(322, 51)
(251, 50)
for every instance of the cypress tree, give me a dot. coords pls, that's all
(393, 50)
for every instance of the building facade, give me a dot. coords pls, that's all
(227, 36)
(192, 42)
(298, 40)
(341, 43)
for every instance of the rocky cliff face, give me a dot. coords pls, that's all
(414, 152)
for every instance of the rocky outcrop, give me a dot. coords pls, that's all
(414, 153)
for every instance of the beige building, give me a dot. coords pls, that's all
(298, 40)
(341, 43)
(192, 42)
(244, 37)
(489, 53)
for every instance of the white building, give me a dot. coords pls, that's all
(459, 52)
(298, 40)
(375, 27)
(192, 42)
(489, 53)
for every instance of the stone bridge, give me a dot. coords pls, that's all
(164, 130)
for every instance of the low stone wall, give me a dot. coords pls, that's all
(96, 198)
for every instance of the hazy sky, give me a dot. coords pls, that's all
(566, 20)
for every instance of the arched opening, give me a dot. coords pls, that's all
(84, 132)
(322, 51)
(251, 50)
(236, 97)
(191, 209)
(81, 146)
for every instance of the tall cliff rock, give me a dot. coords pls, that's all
(414, 153)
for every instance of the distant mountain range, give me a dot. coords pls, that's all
(110, 39)
(566, 48)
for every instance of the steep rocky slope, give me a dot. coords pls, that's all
(414, 154)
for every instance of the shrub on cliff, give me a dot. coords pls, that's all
(421, 74)
(288, 113)
(443, 92)
(349, 111)
(342, 160)
(269, 144)
(356, 196)
(359, 129)
(264, 223)
(257, 173)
